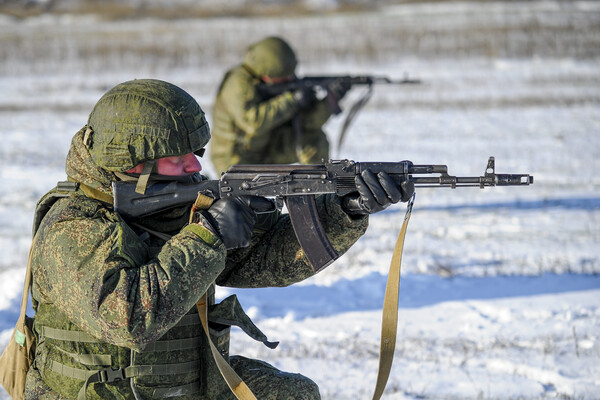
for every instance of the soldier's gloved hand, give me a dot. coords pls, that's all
(305, 97)
(375, 193)
(233, 218)
(339, 87)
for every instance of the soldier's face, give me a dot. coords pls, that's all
(174, 166)
(274, 81)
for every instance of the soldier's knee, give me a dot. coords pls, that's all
(311, 392)
(268, 382)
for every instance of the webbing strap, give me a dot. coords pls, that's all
(70, 372)
(174, 344)
(100, 360)
(66, 335)
(95, 194)
(235, 383)
(164, 369)
(389, 324)
(108, 375)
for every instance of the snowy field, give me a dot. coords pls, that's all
(500, 287)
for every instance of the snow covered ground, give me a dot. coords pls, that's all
(500, 287)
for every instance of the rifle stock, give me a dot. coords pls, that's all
(297, 185)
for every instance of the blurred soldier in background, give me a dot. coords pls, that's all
(252, 128)
(117, 301)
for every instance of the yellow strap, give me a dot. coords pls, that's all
(95, 194)
(145, 176)
(202, 202)
(389, 323)
(27, 284)
(235, 383)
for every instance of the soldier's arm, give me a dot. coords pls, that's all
(275, 258)
(98, 272)
(255, 117)
(315, 117)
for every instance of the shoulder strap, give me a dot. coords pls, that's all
(62, 189)
(25, 298)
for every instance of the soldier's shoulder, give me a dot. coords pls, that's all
(239, 77)
(76, 206)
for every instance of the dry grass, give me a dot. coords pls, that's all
(119, 10)
(124, 39)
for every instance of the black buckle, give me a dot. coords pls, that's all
(112, 375)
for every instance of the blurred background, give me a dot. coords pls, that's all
(500, 287)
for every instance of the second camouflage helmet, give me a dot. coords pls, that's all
(272, 57)
(142, 120)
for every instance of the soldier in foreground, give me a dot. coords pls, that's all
(115, 299)
(251, 127)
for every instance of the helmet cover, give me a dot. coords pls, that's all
(142, 120)
(271, 57)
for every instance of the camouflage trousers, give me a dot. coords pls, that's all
(265, 381)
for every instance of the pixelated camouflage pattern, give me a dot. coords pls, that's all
(80, 167)
(272, 57)
(142, 120)
(275, 259)
(249, 129)
(265, 381)
(93, 272)
(272, 384)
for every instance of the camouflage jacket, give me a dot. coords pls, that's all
(110, 297)
(249, 129)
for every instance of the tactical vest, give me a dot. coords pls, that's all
(178, 365)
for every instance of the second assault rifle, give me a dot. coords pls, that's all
(324, 82)
(297, 186)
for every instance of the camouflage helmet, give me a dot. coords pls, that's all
(143, 120)
(272, 57)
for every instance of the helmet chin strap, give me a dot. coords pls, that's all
(142, 182)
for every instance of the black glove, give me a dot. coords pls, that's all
(375, 193)
(339, 87)
(305, 97)
(233, 218)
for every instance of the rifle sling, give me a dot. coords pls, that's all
(354, 109)
(233, 380)
(297, 125)
(389, 323)
(235, 383)
(303, 213)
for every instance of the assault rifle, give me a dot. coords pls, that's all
(323, 83)
(298, 185)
